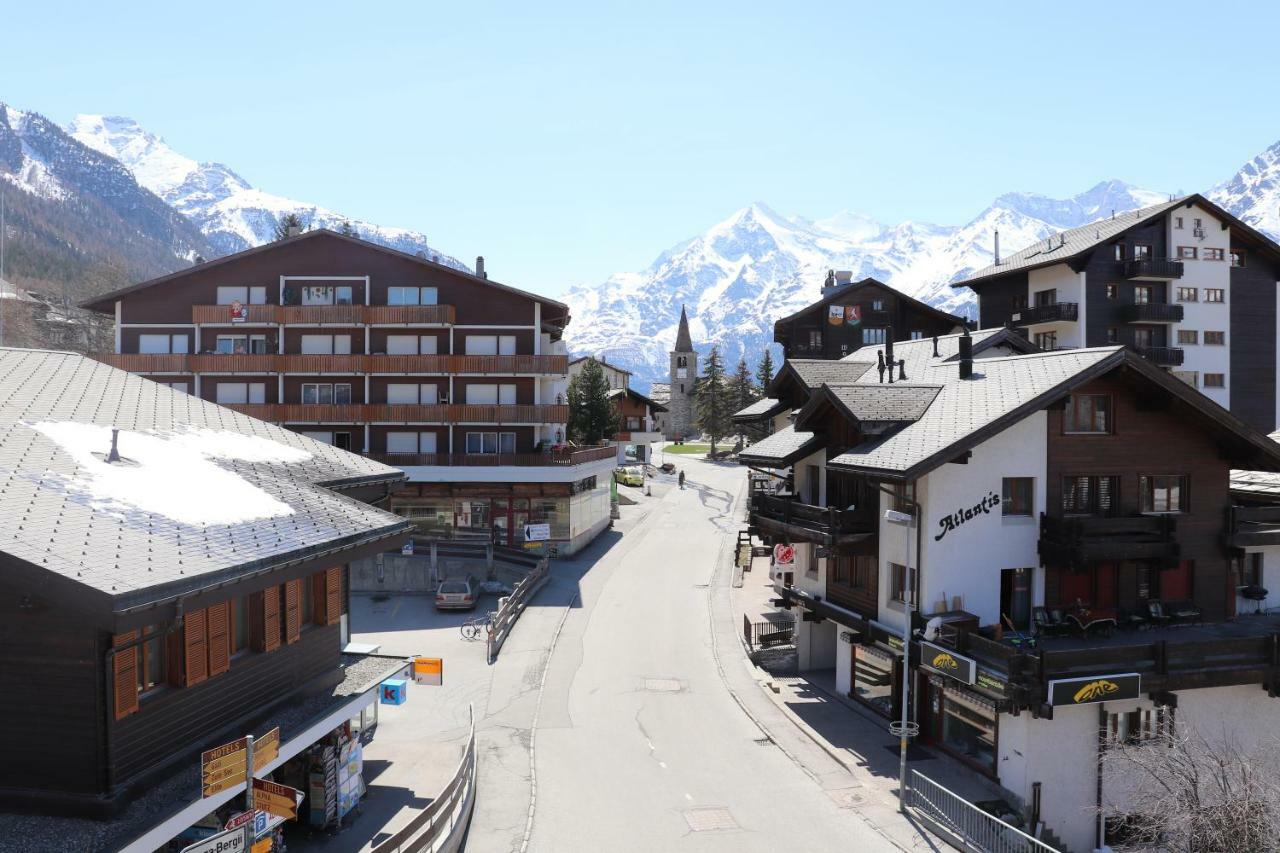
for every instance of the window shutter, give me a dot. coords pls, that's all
(265, 624)
(332, 596)
(219, 617)
(293, 610)
(195, 647)
(124, 675)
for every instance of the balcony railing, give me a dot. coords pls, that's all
(1153, 268)
(375, 413)
(1058, 312)
(1254, 525)
(335, 315)
(498, 365)
(1151, 312)
(806, 351)
(490, 460)
(790, 518)
(1076, 541)
(1163, 356)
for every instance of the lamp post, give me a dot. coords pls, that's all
(905, 729)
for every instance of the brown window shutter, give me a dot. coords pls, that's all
(195, 648)
(124, 675)
(293, 610)
(219, 617)
(264, 625)
(331, 596)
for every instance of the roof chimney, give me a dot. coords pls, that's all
(480, 273)
(831, 280)
(997, 253)
(114, 455)
(935, 346)
(197, 260)
(966, 355)
(888, 351)
(292, 230)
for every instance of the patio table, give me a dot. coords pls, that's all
(1088, 620)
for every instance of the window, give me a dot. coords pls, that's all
(152, 670)
(1091, 495)
(1191, 377)
(1087, 413)
(873, 336)
(408, 394)
(904, 496)
(482, 345)
(504, 394)
(1198, 222)
(1188, 294)
(1018, 497)
(1020, 302)
(1187, 337)
(308, 603)
(163, 343)
(402, 296)
(1186, 253)
(1163, 492)
(1215, 380)
(411, 344)
(324, 295)
(1118, 251)
(323, 393)
(1237, 258)
(1177, 222)
(491, 442)
(865, 571)
(1214, 254)
(877, 304)
(902, 584)
(815, 339)
(1249, 567)
(1215, 294)
(1215, 339)
(240, 392)
(239, 626)
(1141, 251)
(917, 335)
(1113, 335)
(1046, 340)
(184, 387)
(326, 344)
(1046, 297)
(1143, 337)
(1134, 727)
(1142, 294)
(242, 344)
(1113, 291)
(227, 295)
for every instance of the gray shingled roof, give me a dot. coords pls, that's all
(759, 410)
(203, 494)
(877, 402)
(1067, 244)
(1263, 484)
(780, 449)
(815, 372)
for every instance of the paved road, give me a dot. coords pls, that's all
(638, 743)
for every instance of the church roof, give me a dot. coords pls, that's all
(683, 342)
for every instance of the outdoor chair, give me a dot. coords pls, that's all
(1183, 612)
(1133, 620)
(1050, 624)
(1157, 614)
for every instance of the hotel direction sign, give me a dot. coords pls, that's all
(1094, 688)
(948, 662)
(224, 767)
(279, 800)
(266, 749)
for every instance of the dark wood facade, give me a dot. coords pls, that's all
(812, 332)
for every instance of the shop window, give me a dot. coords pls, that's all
(1087, 413)
(1163, 492)
(873, 678)
(1018, 497)
(1082, 495)
(969, 729)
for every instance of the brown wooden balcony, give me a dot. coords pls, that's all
(1153, 269)
(1254, 525)
(298, 413)
(482, 365)
(788, 518)
(1057, 312)
(1077, 541)
(575, 456)
(1151, 312)
(332, 315)
(1163, 356)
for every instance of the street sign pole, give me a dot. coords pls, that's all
(248, 775)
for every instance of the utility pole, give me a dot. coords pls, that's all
(905, 728)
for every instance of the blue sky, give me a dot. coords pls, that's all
(567, 141)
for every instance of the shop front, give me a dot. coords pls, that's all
(958, 707)
(877, 673)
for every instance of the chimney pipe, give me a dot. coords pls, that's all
(292, 230)
(966, 355)
(114, 455)
(480, 273)
(888, 351)
(880, 363)
(935, 346)
(831, 280)
(997, 251)
(902, 370)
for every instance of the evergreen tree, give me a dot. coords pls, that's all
(742, 392)
(714, 401)
(346, 229)
(764, 371)
(592, 415)
(289, 220)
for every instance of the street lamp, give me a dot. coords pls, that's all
(905, 729)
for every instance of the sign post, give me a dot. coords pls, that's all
(428, 671)
(234, 840)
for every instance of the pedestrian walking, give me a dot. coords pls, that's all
(681, 478)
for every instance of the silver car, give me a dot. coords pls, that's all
(456, 594)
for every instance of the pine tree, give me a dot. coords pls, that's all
(713, 401)
(764, 371)
(289, 220)
(742, 392)
(592, 415)
(346, 229)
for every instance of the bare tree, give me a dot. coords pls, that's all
(1188, 795)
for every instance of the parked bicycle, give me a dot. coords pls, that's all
(473, 628)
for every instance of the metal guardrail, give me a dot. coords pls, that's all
(514, 605)
(433, 829)
(969, 827)
(767, 635)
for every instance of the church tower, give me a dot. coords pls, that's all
(684, 375)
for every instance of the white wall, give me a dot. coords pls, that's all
(968, 559)
(844, 664)
(1203, 316)
(1070, 287)
(1270, 580)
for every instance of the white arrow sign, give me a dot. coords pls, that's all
(537, 532)
(232, 841)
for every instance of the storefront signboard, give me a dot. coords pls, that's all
(783, 554)
(241, 819)
(894, 643)
(1094, 688)
(537, 532)
(276, 799)
(235, 840)
(428, 671)
(948, 662)
(990, 683)
(223, 767)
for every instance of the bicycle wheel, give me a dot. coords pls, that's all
(469, 630)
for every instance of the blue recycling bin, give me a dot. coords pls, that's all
(394, 691)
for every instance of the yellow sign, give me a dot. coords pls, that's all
(944, 661)
(223, 767)
(279, 800)
(428, 671)
(266, 749)
(1095, 690)
(262, 846)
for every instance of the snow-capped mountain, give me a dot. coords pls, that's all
(756, 266)
(232, 214)
(1253, 193)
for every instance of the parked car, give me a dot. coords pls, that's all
(629, 475)
(456, 594)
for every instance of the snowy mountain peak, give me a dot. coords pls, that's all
(1253, 193)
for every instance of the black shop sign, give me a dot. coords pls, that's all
(946, 662)
(1094, 688)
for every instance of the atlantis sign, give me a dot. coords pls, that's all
(960, 516)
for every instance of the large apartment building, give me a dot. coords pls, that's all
(1084, 498)
(1187, 285)
(456, 379)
